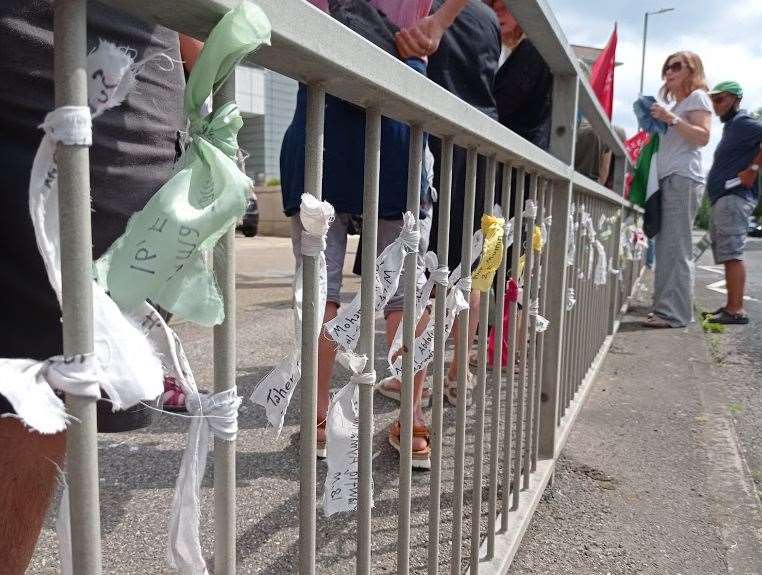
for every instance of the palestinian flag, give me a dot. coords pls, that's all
(645, 186)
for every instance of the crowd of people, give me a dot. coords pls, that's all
(474, 49)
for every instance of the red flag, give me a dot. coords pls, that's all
(602, 74)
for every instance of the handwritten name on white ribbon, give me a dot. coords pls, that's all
(274, 392)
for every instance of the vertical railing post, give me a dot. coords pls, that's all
(73, 161)
(408, 342)
(497, 371)
(510, 377)
(224, 379)
(562, 145)
(614, 302)
(481, 384)
(311, 321)
(440, 308)
(367, 335)
(463, 345)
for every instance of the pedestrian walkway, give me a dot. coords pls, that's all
(651, 480)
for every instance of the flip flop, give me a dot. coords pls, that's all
(656, 322)
(451, 389)
(421, 458)
(726, 318)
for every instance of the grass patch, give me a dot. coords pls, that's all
(711, 327)
(735, 408)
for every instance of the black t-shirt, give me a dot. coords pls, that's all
(133, 151)
(523, 90)
(466, 60)
(465, 64)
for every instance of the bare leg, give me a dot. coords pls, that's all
(473, 323)
(735, 278)
(326, 359)
(27, 478)
(393, 320)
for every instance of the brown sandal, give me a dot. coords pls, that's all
(421, 458)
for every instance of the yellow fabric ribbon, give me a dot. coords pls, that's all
(492, 252)
(537, 242)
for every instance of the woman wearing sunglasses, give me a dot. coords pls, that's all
(687, 112)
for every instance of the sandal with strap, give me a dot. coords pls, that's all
(451, 389)
(656, 322)
(422, 457)
(173, 398)
(706, 314)
(724, 317)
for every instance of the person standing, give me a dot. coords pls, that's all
(733, 190)
(681, 181)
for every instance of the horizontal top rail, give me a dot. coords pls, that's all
(540, 25)
(310, 46)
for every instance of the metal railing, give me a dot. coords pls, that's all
(529, 412)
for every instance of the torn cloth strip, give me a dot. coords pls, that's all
(213, 415)
(342, 444)
(274, 392)
(344, 329)
(493, 230)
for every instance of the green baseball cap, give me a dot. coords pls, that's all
(728, 86)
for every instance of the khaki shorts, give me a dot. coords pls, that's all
(728, 227)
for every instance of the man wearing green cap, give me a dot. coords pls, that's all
(733, 190)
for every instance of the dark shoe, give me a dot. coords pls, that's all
(706, 314)
(726, 318)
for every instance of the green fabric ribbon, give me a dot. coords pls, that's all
(163, 254)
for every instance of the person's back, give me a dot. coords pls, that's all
(465, 64)
(466, 61)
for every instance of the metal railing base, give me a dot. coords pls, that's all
(507, 542)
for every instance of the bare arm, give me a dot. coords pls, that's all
(604, 163)
(694, 130)
(423, 38)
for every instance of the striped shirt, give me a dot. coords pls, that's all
(403, 13)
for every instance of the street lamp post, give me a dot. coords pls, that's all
(645, 34)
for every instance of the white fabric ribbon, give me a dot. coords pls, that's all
(540, 323)
(530, 209)
(213, 415)
(344, 329)
(274, 392)
(438, 275)
(571, 243)
(117, 340)
(571, 299)
(342, 444)
(601, 266)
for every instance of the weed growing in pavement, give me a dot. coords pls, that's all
(735, 408)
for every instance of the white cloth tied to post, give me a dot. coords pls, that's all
(540, 323)
(342, 421)
(438, 275)
(117, 339)
(213, 415)
(274, 392)
(571, 232)
(530, 209)
(571, 299)
(343, 443)
(344, 329)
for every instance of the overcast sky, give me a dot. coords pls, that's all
(727, 34)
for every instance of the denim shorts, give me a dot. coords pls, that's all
(336, 251)
(728, 227)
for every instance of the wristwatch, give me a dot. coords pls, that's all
(754, 167)
(674, 121)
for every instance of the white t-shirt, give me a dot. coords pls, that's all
(676, 155)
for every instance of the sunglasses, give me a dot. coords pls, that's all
(674, 66)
